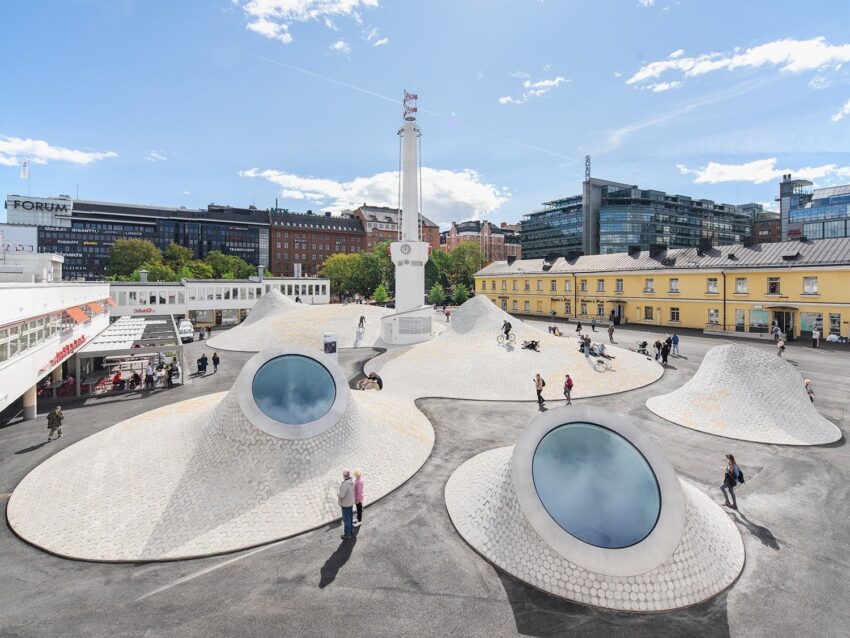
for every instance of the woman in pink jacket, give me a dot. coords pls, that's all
(358, 496)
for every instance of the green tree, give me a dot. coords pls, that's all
(464, 261)
(369, 273)
(460, 294)
(341, 270)
(437, 269)
(128, 255)
(156, 272)
(231, 265)
(436, 295)
(200, 270)
(176, 256)
(381, 295)
(382, 251)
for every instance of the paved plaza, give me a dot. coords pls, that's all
(409, 572)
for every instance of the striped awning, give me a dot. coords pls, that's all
(76, 313)
(95, 307)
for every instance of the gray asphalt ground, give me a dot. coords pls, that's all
(409, 573)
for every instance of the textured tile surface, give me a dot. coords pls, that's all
(745, 393)
(466, 362)
(485, 511)
(196, 478)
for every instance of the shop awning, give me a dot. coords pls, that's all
(77, 314)
(96, 307)
(110, 302)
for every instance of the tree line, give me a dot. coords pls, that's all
(127, 257)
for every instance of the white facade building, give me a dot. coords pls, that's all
(31, 268)
(211, 302)
(41, 326)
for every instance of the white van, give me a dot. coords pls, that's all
(186, 330)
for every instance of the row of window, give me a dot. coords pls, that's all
(17, 339)
(810, 285)
(213, 293)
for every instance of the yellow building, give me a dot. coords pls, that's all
(738, 288)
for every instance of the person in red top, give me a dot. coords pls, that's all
(118, 382)
(568, 388)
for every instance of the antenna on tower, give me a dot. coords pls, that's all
(587, 168)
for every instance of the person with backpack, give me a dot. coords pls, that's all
(732, 475)
(539, 384)
(568, 388)
(54, 423)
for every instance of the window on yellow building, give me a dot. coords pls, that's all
(483, 285)
(567, 308)
(740, 318)
(810, 285)
(514, 305)
(713, 316)
(674, 315)
(618, 285)
(567, 285)
(600, 309)
(583, 309)
(493, 285)
(741, 285)
(513, 287)
(504, 285)
(540, 285)
(553, 285)
(526, 306)
(711, 285)
(582, 285)
(600, 285)
(539, 306)
(773, 285)
(649, 286)
(674, 284)
(647, 313)
(527, 285)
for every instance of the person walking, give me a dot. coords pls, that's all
(346, 503)
(611, 332)
(539, 384)
(810, 390)
(568, 389)
(54, 423)
(149, 376)
(448, 315)
(586, 347)
(674, 348)
(776, 331)
(362, 323)
(665, 352)
(215, 361)
(578, 326)
(593, 324)
(732, 475)
(358, 496)
(780, 348)
(815, 338)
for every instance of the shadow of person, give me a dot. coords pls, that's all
(542, 407)
(31, 448)
(336, 560)
(759, 531)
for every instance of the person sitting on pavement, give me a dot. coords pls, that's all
(371, 382)
(531, 345)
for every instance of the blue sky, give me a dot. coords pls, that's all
(240, 101)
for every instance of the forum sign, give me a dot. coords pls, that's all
(41, 211)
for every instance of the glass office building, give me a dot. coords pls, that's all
(84, 231)
(824, 214)
(612, 217)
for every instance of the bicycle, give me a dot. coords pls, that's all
(501, 339)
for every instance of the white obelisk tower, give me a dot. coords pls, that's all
(412, 321)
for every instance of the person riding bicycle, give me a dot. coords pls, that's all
(506, 328)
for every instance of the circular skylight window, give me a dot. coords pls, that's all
(292, 393)
(598, 491)
(294, 389)
(596, 485)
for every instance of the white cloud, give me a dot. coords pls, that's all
(659, 87)
(791, 56)
(340, 46)
(531, 89)
(447, 195)
(381, 42)
(618, 74)
(273, 18)
(759, 172)
(156, 156)
(646, 3)
(843, 112)
(185, 192)
(678, 53)
(13, 150)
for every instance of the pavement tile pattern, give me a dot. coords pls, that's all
(466, 362)
(197, 478)
(744, 393)
(484, 509)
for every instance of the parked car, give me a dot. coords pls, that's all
(186, 331)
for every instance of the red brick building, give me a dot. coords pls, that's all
(300, 242)
(497, 243)
(381, 223)
(767, 227)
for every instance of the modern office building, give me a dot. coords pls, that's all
(819, 214)
(83, 231)
(736, 288)
(300, 242)
(496, 242)
(381, 224)
(611, 217)
(41, 326)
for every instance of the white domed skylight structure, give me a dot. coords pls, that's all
(586, 507)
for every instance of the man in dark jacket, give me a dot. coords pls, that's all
(54, 422)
